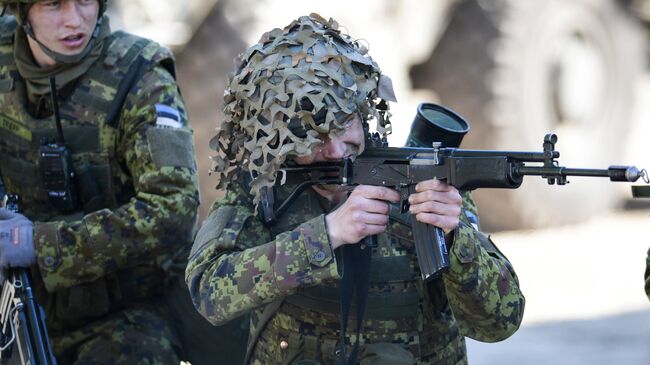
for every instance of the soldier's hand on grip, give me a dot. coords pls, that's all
(436, 203)
(364, 213)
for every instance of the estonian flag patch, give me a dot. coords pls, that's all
(473, 220)
(167, 117)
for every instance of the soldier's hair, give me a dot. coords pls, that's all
(287, 92)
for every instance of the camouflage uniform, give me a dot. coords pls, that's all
(288, 91)
(101, 274)
(239, 264)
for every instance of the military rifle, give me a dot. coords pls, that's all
(402, 168)
(23, 333)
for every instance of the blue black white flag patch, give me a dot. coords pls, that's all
(473, 220)
(167, 117)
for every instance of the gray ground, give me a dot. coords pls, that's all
(585, 302)
(619, 339)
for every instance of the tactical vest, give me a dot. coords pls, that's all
(89, 117)
(396, 292)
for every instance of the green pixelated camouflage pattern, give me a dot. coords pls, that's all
(292, 88)
(264, 272)
(139, 335)
(96, 263)
(245, 266)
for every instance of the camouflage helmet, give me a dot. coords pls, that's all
(23, 5)
(288, 91)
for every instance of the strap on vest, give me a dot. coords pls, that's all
(133, 74)
(131, 64)
(356, 280)
(126, 85)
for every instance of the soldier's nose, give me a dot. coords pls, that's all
(335, 149)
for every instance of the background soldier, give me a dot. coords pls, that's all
(642, 191)
(305, 94)
(109, 193)
(646, 194)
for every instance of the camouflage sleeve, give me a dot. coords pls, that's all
(156, 150)
(236, 266)
(647, 275)
(481, 285)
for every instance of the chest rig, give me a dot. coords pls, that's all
(393, 274)
(398, 301)
(89, 111)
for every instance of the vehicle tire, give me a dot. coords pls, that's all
(518, 69)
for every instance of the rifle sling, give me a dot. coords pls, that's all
(356, 280)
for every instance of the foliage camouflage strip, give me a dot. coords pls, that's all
(288, 91)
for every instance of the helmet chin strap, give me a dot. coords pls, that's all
(59, 57)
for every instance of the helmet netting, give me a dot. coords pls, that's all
(289, 91)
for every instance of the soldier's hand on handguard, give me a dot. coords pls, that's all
(436, 203)
(16, 240)
(364, 213)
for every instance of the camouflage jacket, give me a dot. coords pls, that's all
(238, 264)
(140, 154)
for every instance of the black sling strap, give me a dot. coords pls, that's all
(356, 281)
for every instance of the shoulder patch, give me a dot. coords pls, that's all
(171, 147)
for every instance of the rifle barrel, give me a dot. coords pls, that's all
(615, 173)
(560, 171)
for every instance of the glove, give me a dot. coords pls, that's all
(16, 240)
